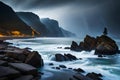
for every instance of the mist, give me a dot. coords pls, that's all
(78, 16)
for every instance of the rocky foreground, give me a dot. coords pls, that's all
(19, 64)
(103, 45)
(22, 64)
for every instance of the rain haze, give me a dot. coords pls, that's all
(78, 16)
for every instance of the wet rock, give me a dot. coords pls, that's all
(24, 68)
(58, 68)
(26, 77)
(100, 55)
(9, 72)
(70, 57)
(67, 48)
(65, 57)
(103, 45)
(81, 77)
(94, 76)
(59, 47)
(60, 57)
(3, 63)
(51, 64)
(74, 46)
(17, 56)
(62, 66)
(106, 46)
(69, 68)
(79, 70)
(35, 59)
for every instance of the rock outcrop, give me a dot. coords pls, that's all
(103, 45)
(65, 57)
(19, 64)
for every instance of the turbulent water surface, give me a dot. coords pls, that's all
(109, 66)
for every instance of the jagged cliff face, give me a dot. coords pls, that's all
(53, 27)
(28, 24)
(45, 27)
(11, 24)
(33, 20)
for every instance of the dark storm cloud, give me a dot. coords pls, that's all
(79, 16)
(27, 4)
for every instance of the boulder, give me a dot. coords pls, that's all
(62, 66)
(24, 68)
(26, 77)
(65, 57)
(70, 57)
(79, 70)
(94, 76)
(17, 56)
(60, 57)
(88, 44)
(106, 46)
(74, 46)
(3, 63)
(9, 72)
(34, 59)
(81, 77)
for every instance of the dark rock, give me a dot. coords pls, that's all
(65, 57)
(94, 76)
(9, 72)
(51, 64)
(89, 43)
(81, 77)
(106, 46)
(26, 77)
(58, 68)
(79, 70)
(60, 57)
(35, 59)
(24, 68)
(100, 55)
(75, 46)
(70, 57)
(80, 58)
(69, 68)
(3, 63)
(62, 66)
(15, 55)
(67, 48)
(59, 47)
(102, 45)
(53, 67)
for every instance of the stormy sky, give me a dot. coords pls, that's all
(78, 16)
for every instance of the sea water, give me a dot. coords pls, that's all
(108, 66)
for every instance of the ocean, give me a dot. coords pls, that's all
(108, 66)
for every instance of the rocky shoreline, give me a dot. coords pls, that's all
(19, 64)
(23, 64)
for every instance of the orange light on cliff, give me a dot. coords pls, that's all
(17, 34)
(34, 31)
(1, 35)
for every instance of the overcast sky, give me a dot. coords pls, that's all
(78, 16)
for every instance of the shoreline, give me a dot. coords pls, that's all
(10, 38)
